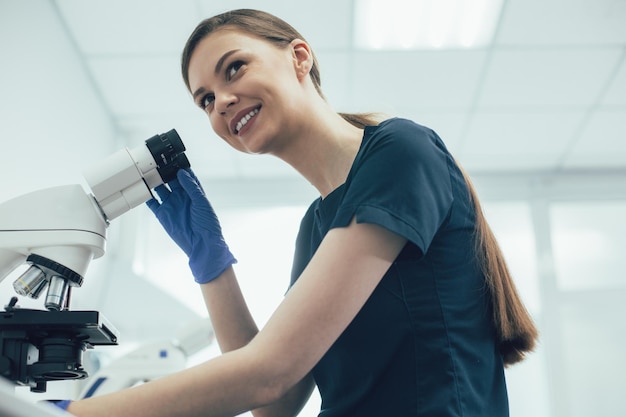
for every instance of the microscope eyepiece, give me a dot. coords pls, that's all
(126, 178)
(168, 149)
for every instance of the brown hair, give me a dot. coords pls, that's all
(515, 328)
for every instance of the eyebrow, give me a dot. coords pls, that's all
(218, 69)
(220, 62)
(198, 92)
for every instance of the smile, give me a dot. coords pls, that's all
(241, 123)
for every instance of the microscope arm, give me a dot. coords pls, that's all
(58, 231)
(63, 224)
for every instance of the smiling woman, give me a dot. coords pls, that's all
(235, 77)
(396, 244)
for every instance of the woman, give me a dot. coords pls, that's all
(401, 303)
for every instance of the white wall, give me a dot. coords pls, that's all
(53, 120)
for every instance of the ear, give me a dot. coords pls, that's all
(302, 57)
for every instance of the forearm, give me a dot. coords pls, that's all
(224, 386)
(231, 319)
(234, 328)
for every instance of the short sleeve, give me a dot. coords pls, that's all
(400, 181)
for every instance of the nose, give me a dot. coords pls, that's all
(223, 100)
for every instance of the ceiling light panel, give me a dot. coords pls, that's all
(425, 24)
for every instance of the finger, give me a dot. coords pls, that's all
(162, 191)
(174, 184)
(195, 178)
(187, 175)
(189, 183)
(192, 174)
(153, 205)
(183, 175)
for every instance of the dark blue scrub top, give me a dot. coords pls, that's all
(424, 342)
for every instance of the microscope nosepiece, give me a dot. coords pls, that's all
(42, 273)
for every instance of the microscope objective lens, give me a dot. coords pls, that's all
(56, 293)
(31, 283)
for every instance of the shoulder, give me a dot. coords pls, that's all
(308, 219)
(403, 140)
(400, 127)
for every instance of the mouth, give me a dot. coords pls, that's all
(240, 121)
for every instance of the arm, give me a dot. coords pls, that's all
(232, 322)
(234, 328)
(345, 270)
(189, 219)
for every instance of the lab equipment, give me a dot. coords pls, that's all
(58, 231)
(151, 360)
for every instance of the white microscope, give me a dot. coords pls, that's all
(58, 231)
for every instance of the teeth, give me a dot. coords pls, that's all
(245, 119)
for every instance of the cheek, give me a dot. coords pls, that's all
(218, 124)
(221, 129)
(215, 121)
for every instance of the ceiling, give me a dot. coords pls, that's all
(549, 93)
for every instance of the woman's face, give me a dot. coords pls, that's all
(248, 87)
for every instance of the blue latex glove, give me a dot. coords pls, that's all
(62, 404)
(187, 216)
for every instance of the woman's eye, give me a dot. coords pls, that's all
(233, 68)
(206, 101)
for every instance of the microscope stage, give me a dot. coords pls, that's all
(90, 325)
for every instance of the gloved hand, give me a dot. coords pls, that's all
(62, 404)
(187, 216)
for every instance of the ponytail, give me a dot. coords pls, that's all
(516, 331)
(361, 120)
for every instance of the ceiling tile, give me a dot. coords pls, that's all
(119, 27)
(563, 22)
(326, 24)
(514, 141)
(603, 141)
(545, 78)
(616, 93)
(420, 80)
(140, 85)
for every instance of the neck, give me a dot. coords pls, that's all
(325, 150)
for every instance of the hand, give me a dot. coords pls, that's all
(187, 216)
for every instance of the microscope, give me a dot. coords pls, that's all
(56, 232)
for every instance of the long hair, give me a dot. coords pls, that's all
(515, 329)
